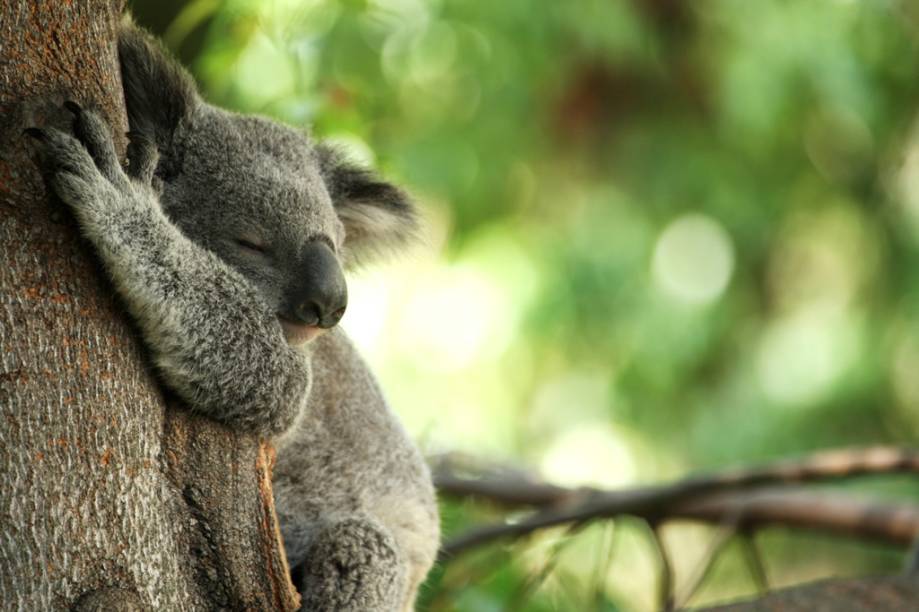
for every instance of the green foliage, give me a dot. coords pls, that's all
(663, 236)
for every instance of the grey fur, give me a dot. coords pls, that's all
(208, 240)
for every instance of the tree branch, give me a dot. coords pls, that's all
(710, 498)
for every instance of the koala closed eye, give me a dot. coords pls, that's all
(328, 242)
(252, 246)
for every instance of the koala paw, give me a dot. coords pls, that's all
(83, 169)
(351, 565)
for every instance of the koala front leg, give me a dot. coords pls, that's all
(351, 565)
(212, 337)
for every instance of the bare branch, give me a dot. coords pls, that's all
(840, 513)
(665, 588)
(604, 562)
(722, 538)
(755, 563)
(708, 498)
(535, 581)
(515, 488)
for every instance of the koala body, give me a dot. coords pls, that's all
(227, 239)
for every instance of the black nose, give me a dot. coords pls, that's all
(323, 294)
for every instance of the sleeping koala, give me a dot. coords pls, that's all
(226, 239)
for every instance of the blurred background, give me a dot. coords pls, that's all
(662, 237)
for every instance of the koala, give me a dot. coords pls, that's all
(227, 238)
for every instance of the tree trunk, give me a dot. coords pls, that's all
(108, 499)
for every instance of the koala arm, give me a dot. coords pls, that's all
(213, 338)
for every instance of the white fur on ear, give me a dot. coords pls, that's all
(372, 230)
(378, 217)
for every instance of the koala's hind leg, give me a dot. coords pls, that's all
(351, 565)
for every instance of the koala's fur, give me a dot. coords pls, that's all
(353, 495)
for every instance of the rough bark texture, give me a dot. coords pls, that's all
(108, 500)
(845, 595)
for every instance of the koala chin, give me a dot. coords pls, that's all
(298, 334)
(227, 239)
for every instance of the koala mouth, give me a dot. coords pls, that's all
(298, 333)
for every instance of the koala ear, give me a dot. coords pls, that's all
(158, 92)
(378, 216)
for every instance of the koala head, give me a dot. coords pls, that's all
(287, 212)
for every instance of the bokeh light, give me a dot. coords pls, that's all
(693, 259)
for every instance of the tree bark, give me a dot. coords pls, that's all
(840, 595)
(108, 499)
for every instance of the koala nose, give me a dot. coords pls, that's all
(324, 297)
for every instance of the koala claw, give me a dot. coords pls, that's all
(73, 107)
(34, 132)
(94, 133)
(142, 157)
(60, 153)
